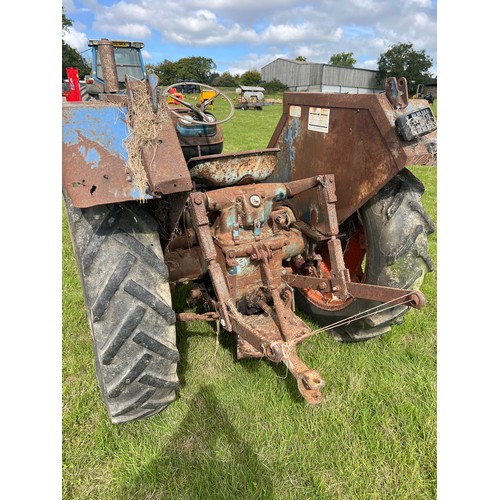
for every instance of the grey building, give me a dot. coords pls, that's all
(318, 77)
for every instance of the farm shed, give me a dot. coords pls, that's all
(318, 77)
(431, 87)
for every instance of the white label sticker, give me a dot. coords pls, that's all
(319, 119)
(295, 111)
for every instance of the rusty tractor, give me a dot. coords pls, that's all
(326, 219)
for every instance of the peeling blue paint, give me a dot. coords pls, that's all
(92, 157)
(290, 135)
(232, 270)
(245, 267)
(137, 195)
(103, 125)
(281, 193)
(284, 170)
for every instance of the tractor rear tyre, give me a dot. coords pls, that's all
(396, 229)
(127, 294)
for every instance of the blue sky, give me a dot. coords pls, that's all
(239, 35)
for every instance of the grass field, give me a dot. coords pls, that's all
(239, 428)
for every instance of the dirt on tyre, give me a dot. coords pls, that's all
(127, 295)
(387, 245)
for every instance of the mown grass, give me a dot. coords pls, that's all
(239, 429)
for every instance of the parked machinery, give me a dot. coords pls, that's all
(327, 218)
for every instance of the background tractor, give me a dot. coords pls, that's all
(326, 219)
(112, 61)
(422, 94)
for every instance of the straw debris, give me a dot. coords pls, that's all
(144, 126)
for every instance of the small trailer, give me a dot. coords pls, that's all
(250, 98)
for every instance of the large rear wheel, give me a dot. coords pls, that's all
(386, 245)
(127, 294)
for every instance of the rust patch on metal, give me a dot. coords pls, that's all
(397, 92)
(95, 161)
(361, 148)
(165, 164)
(234, 168)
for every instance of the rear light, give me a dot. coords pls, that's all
(89, 80)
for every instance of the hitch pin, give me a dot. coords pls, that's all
(309, 382)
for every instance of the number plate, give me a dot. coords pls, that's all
(416, 124)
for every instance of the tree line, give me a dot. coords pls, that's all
(202, 70)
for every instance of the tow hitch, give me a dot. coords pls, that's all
(242, 235)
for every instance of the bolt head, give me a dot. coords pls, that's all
(255, 200)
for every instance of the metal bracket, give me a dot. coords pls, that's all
(152, 86)
(339, 282)
(275, 333)
(202, 229)
(384, 294)
(397, 92)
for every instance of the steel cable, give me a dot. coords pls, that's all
(364, 314)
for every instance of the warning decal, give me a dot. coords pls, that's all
(319, 118)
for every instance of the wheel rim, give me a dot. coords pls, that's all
(354, 251)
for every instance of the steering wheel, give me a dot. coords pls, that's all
(199, 108)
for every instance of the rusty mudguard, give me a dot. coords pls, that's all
(94, 158)
(354, 137)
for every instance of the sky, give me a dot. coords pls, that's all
(239, 35)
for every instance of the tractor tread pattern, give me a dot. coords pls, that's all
(127, 293)
(150, 300)
(121, 271)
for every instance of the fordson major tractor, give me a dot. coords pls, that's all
(326, 219)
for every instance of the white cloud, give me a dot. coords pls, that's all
(126, 19)
(130, 11)
(253, 61)
(369, 64)
(421, 20)
(68, 6)
(128, 31)
(286, 33)
(246, 5)
(76, 39)
(233, 35)
(246, 11)
(423, 4)
(200, 21)
(299, 33)
(365, 4)
(315, 30)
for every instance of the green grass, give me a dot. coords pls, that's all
(247, 130)
(239, 429)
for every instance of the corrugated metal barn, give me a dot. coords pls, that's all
(318, 77)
